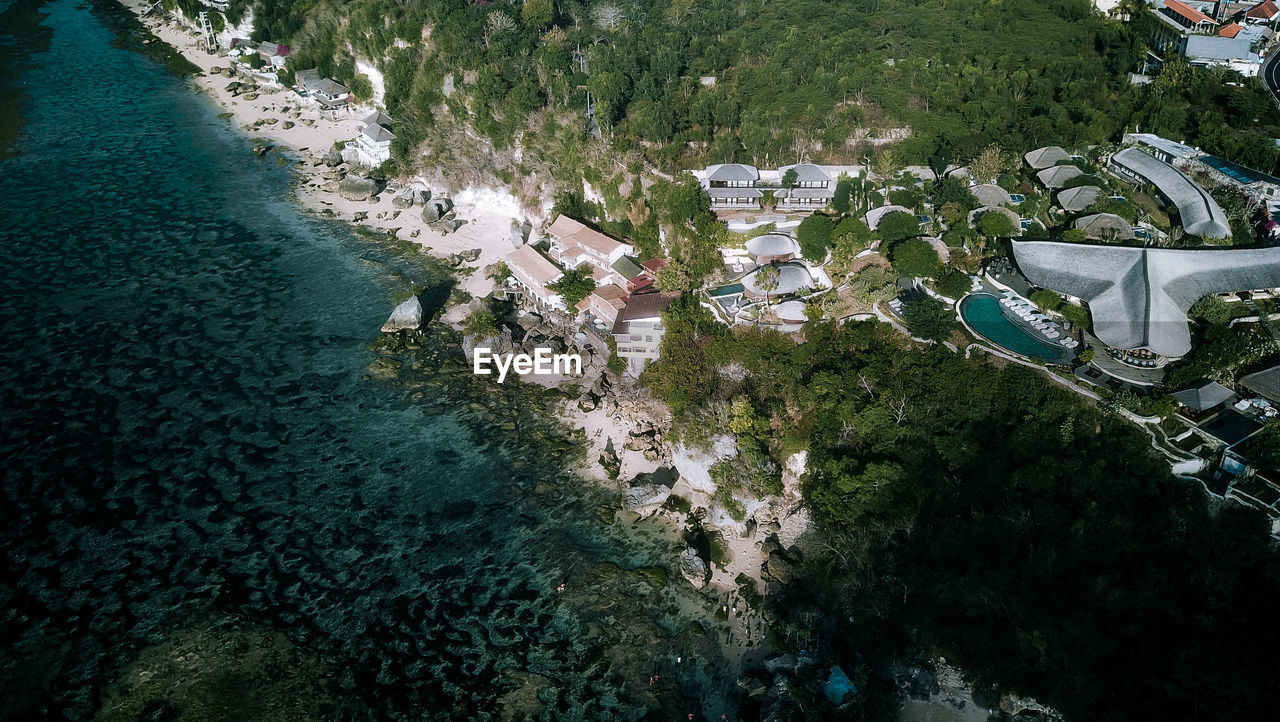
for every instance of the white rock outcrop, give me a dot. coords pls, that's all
(407, 315)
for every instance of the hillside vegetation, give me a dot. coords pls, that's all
(676, 84)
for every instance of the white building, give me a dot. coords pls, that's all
(574, 244)
(533, 274)
(373, 145)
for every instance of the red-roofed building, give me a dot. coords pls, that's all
(1230, 30)
(1264, 12)
(645, 280)
(1187, 16)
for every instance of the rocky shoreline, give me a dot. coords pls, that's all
(620, 436)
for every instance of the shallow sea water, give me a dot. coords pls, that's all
(189, 435)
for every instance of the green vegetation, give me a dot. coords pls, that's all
(954, 283)
(915, 257)
(573, 285)
(1221, 353)
(814, 236)
(897, 226)
(929, 319)
(1046, 300)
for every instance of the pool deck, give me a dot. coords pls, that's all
(1065, 356)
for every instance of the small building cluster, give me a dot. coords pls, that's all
(1233, 35)
(624, 304)
(795, 188)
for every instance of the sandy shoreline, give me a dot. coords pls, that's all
(489, 215)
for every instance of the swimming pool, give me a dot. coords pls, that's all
(982, 312)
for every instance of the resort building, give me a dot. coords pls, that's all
(573, 244)
(273, 54)
(1046, 157)
(373, 145)
(329, 94)
(875, 215)
(533, 274)
(736, 186)
(1236, 53)
(990, 194)
(732, 186)
(792, 278)
(1074, 200)
(1139, 297)
(1197, 210)
(1057, 176)
(1105, 227)
(1265, 383)
(813, 189)
(600, 308)
(1202, 398)
(772, 248)
(638, 330)
(1162, 149)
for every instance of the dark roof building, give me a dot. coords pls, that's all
(1265, 383)
(1139, 297)
(1203, 396)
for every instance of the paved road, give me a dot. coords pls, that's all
(1271, 74)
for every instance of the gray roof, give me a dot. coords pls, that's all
(827, 192)
(977, 213)
(1079, 198)
(772, 244)
(875, 215)
(1204, 395)
(1057, 176)
(330, 87)
(1139, 297)
(790, 311)
(989, 194)
(809, 172)
(307, 78)
(732, 172)
(377, 133)
(1216, 47)
(378, 117)
(1105, 225)
(1265, 383)
(1197, 210)
(1045, 157)
(791, 278)
(735, 192)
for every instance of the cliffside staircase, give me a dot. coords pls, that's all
(210, 39)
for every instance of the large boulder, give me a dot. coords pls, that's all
(694, 568)
(407, 315)
(333, 158)
(435, 209)
(402, 201)
(354, 188)
(445, 227)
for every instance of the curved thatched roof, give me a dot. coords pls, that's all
(1057, 176)
(1105, 225)
(874, 216)
(990, 194)
(772, 244)
(790, 311)
(791, 278)
(1139, 297)
(1045, 157)
(1074, 200)
(977, 213)
(1197, 210)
